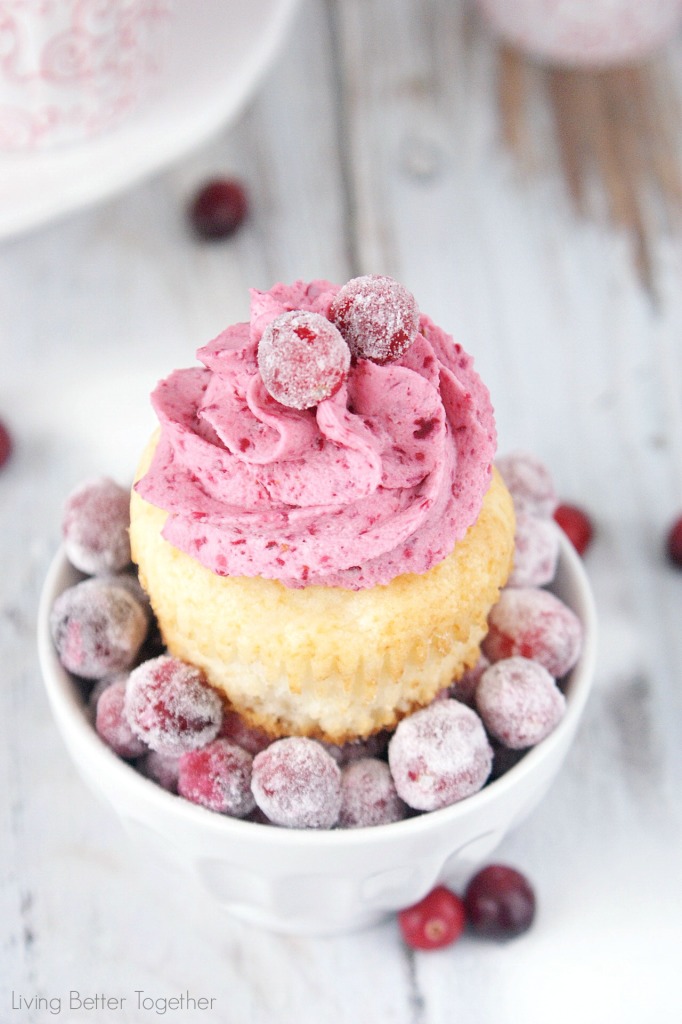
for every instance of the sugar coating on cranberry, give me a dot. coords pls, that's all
(377, 316)
(302, 359)
(439, 755)
(519, 702)
(163, 769)
(170, 705)
(464, 688)
(236, 728)
(529, 482)
(112, 725)
(297, 784)
(5, 444)
(536, 551)
(98, 628)
(535, 624)
(345, 753)
(368, 795)
(218, 776)
(95, 527)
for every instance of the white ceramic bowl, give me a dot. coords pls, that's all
(317, 882)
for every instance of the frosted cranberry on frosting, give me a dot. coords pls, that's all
(379, 479)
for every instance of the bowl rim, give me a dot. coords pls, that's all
(66, 704)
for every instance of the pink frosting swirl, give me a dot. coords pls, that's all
(381, 479)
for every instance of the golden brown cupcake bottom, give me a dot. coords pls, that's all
(327, 662)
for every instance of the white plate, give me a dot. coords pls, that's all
(218, 51)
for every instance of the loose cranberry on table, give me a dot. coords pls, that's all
(673, 543)
(218, 208)
(5, 444)
(499, 902)
(576, 524)
(436, 921)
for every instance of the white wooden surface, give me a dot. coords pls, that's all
(374, 144)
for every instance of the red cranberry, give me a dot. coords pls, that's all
(218, 208)
(674, 543)
(436, 921)
(577, 526)
(302, 359)
(5, 444)
(500, 902)
(377, 316)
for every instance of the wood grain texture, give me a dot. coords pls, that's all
(381, 141)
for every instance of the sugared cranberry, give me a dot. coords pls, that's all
(536, 551)
(464, 688)
(170, 705)
(95, 527)
(218, 777)
(436, 921)
(368, 795)
(302, 359)
(247, 736)
(673, 542)
(218, 208)
(5, 444)
(529, 482)
(499, 902)
(519, 702)
(377, 316)
(98, 628)
(577, 526)
(297, 784)
(439, 755)
(534, 624)
(354, 750)
(163, 769)
(111, 724)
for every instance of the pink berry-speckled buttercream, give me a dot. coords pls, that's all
(381, 479)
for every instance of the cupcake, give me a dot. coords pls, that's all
(317, 520)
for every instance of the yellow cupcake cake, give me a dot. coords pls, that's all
(317, 521)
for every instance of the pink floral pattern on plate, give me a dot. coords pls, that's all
(72, 69)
